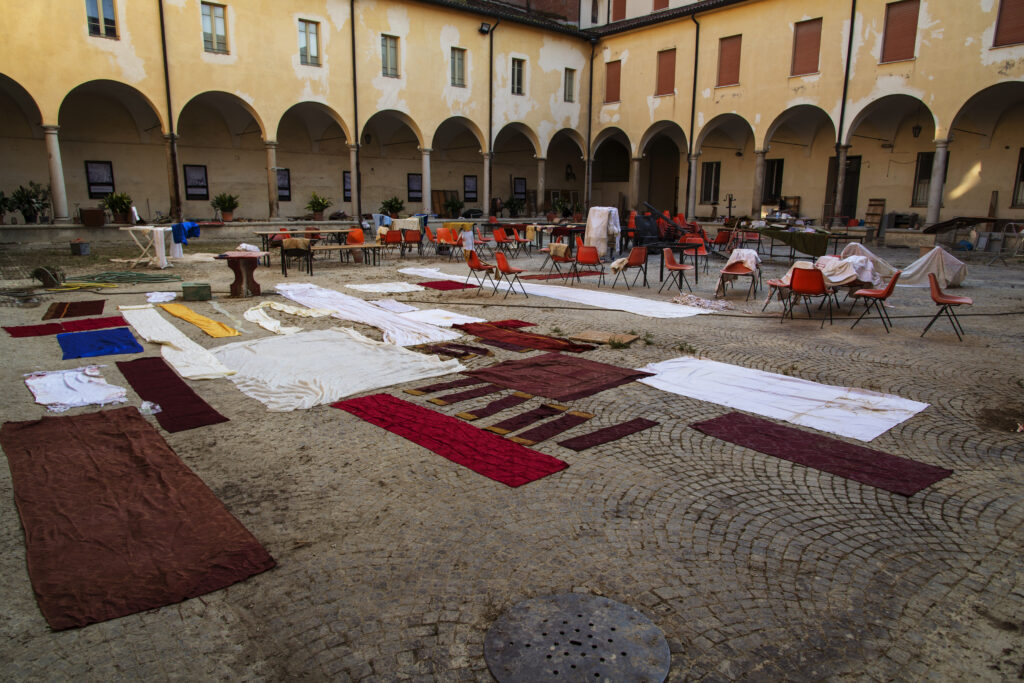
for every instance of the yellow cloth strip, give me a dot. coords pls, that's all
(210, 327)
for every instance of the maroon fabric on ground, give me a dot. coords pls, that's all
(553, 428)
(115, 523)
(181, 408)
(476, 392)
(530, 340)
(495, 406)
(455, 350)
(564, 378)
(525, 419)
(35, 330)
(446, 285)
(607, 434)
(69, 326)
(441, 386)
(74, 309)
(511, 324)
(865, 465)
(558, 276)
(480, 451)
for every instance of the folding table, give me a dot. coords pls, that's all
(151, 243)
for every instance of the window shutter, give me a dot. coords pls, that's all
(666, 73)
(618, 10)
(729, 60)
(611, 83)
(900, 30)
(1010, 25)
(660, 5)
(806, 47)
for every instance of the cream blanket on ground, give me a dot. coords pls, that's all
(441, 317)
(320, 366)
(189, 359)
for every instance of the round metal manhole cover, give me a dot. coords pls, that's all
(575, 637)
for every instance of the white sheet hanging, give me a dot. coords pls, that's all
(61, 390)
(387, 287)
(608, 300)
(602, 223)
(189, 359)
(441, 317)
(393, 306)
(397, 330)
(320, 366)
(856, 413)
(949, 270)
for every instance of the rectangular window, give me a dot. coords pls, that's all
(666, 84)
(414, 187)
(196, 184)
(1017, 201)
(772, 193)
(569, 88)
(346, 186)
(389, 56)
(518, 65)
(519, 188)
(729, 60)
(284, 185)
(618, 10)
(458, 67)
(923, 177)
(1010, 24)
(309, 42)
(613, 70)
(101, 18)
(469, 188)
(100, 177)
(900, 30)
(215, 35)
(710, 172)
(660, 5)
(806, 47)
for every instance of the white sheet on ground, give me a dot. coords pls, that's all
(320, 366)
(61, 390)
(949, 270)
(258, 314)
(386, 287)
(397, 330)
(160, 297)
(441, 317)
(855, 413)
(189, 359)
(393, 306)
(882, 268)
(608, 300)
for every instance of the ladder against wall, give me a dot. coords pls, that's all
(873, 217)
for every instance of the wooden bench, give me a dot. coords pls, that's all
(366, 249)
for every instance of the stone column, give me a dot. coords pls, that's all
(353, 164)
(425, 187)
(58, 192)
(272, 202)
(487, 184)
(684, 181)
(541, 170)
(173, 190)
(837, 208)
(691, 205)
(634, 184)
(938, 181)
(755, 206)
(589, 187)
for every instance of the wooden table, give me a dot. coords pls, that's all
(243, 263)
(265, 236)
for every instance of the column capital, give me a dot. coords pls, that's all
(760, 152)
(270, 143)
(354, 147)
(942, 143)
(51, 129)
(540, 158)
(844, 148)
(171, 137)
(486, 155)
(426, 150)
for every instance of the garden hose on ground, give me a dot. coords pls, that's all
(112, 279)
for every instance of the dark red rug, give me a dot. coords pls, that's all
(465, 395)
(484, 453)
(526, 419)
(74, 309)
(446, 285)
(455, 350)
(66, 326)
(496, 406)
(528, 340)
(441, 386)
(557, 376)
(511, 324)
(115, 523)
(557, 276)
(181, 408)
(865, 465)
(553, 428)
(613, 433)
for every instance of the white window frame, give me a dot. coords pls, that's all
(569, 86)
(218, 41)
(106, 18)
(458, 75)
(305, 33)
(389, 56)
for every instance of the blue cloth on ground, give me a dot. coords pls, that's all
(98, 343)
(180, 232)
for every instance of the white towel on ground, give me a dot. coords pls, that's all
(189, 359)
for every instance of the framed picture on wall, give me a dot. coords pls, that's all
(284, 185)
(100, 177)
(346, 181)
(196, 185)
(414, 181)
(469, 188)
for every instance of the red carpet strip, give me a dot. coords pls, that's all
(477, 392)
(557, 276)
(496, 406)
(530, 340)
(68, 326)
(115, 523)
(563, 378)
(525, 419)
(607, 434)
(553, 428)
(480, 451)
(446, 285)
(867, 466)
(181, 408)
(511, 324)
(441, 386)
(74, 309)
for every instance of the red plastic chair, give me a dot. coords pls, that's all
(431, 239)
(807, 283)
(722, 239)
(695, 247)
(503, 242)
(510, 275)
(875, 298)
(522, 242)
(588, 257)
(410, 238)
(392, 240)
(637, 259)
(557, 260)
(676, 270)
(485, 242)
(476, 267)
(946, 304)
(736, 269)
(446, 238)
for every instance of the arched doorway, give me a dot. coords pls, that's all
(612, 151)
(391, 162)
(514, 168)
(663, 168)
(457, 165)
(725, 180)
(313, 144)
(798, 145)
(21, 140)
(565, 171)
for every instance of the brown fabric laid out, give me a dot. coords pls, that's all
(530, 340)
(441, 386)
(115, 523)
(563, 378)
(295, 243)
(74, 309)
(525, 419)
(553, 428)
(613, 433)
(476, 392)
(496, 406)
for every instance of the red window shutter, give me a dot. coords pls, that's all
(660, 4)
(1010, 25)
(806, 47)
(618, 10)
(666, 73)
(729, 60)
(900, 30)
(611, 81)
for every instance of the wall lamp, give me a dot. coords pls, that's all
(916, 130)
(485, 28)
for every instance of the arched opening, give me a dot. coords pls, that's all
(725, 180)
(456, 165)
(565, 171)
(663, 170)
(798, 146)
(610, 184)
(391, 162)
(514, 168)
(21, 140)
(312, 143)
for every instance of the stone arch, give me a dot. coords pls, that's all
(573, 135)
(732, 126)
(447, 127)
(317, 118)
(887, 114)
(803, 120)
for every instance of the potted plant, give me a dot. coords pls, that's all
(514, 206)
(453, 206)
(318, 204)
(119, 204)
(392, 207)
(31, 201)
(226, 204)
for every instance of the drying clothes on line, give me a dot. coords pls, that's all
(855, 413)
(180, 232)
(160, 297)
(380, 219)
(948, 270)
(60, 390)
(386, 287)
(189, 359)
(107, 342)
(441, 317)
(393, 306)
(211, 327)
(316, 367)
(397, 330)
(589, 297)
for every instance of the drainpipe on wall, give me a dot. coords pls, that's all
(693, 115)
(590, 125)
(837, 205)
(172, 138)
(490, 114)
(355, 112)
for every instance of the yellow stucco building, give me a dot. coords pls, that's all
(698, 107)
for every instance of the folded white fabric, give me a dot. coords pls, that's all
(189, 359)
(393, 306)
(320, 366)
(160, 297)
(386, 287)
(60, 390)
(441, 317)
(857, 413)
(882, 268)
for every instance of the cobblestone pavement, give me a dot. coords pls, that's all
(393, 562)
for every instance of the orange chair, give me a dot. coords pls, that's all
(392, 240)
(431, 239)
(694, 246)
(502, 241)
(492, 219)
(779, 288)
(721, 241)
(557, 260)
(586, 256)
(410, 238)
(637, 259)
(510, 274)
(446, 238)
(522, 242)
(875, 298)
(946, 304)
(807, 283)
(676, 270)
(579, 242)
(476, 267)
(752, 237)
(737, 269)
(485, 242)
